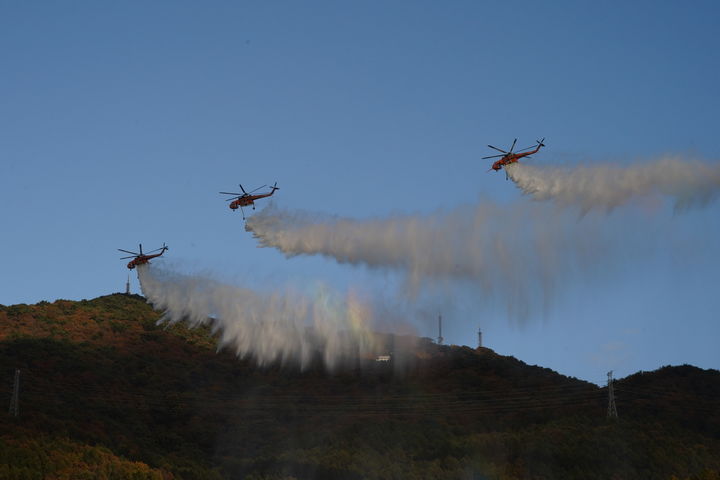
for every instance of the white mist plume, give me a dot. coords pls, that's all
(687, 183)
(285, 327)
(514, 253)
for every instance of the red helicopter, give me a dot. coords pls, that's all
(244, 199)
(510, 157)
(142, 258)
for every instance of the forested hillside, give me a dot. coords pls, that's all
(107, 393)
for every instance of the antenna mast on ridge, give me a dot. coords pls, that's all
(440, 337)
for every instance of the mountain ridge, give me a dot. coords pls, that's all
(102, 373)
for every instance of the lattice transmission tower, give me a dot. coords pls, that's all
(612, 409)
(15, 399)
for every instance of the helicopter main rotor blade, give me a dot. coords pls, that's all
(127, 251)
(125, 258)
(513, 145)
(231, 193)
(526, 149)
(241, 188)
(258, 188)
(498, 149)
(492, 156)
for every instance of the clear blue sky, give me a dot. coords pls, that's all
(120, 122)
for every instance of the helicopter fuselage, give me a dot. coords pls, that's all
(141, 260)
(512, 158)
(246, 201)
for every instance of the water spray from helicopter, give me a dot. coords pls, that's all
(282, 325)
(686, 183)
(519, 254)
